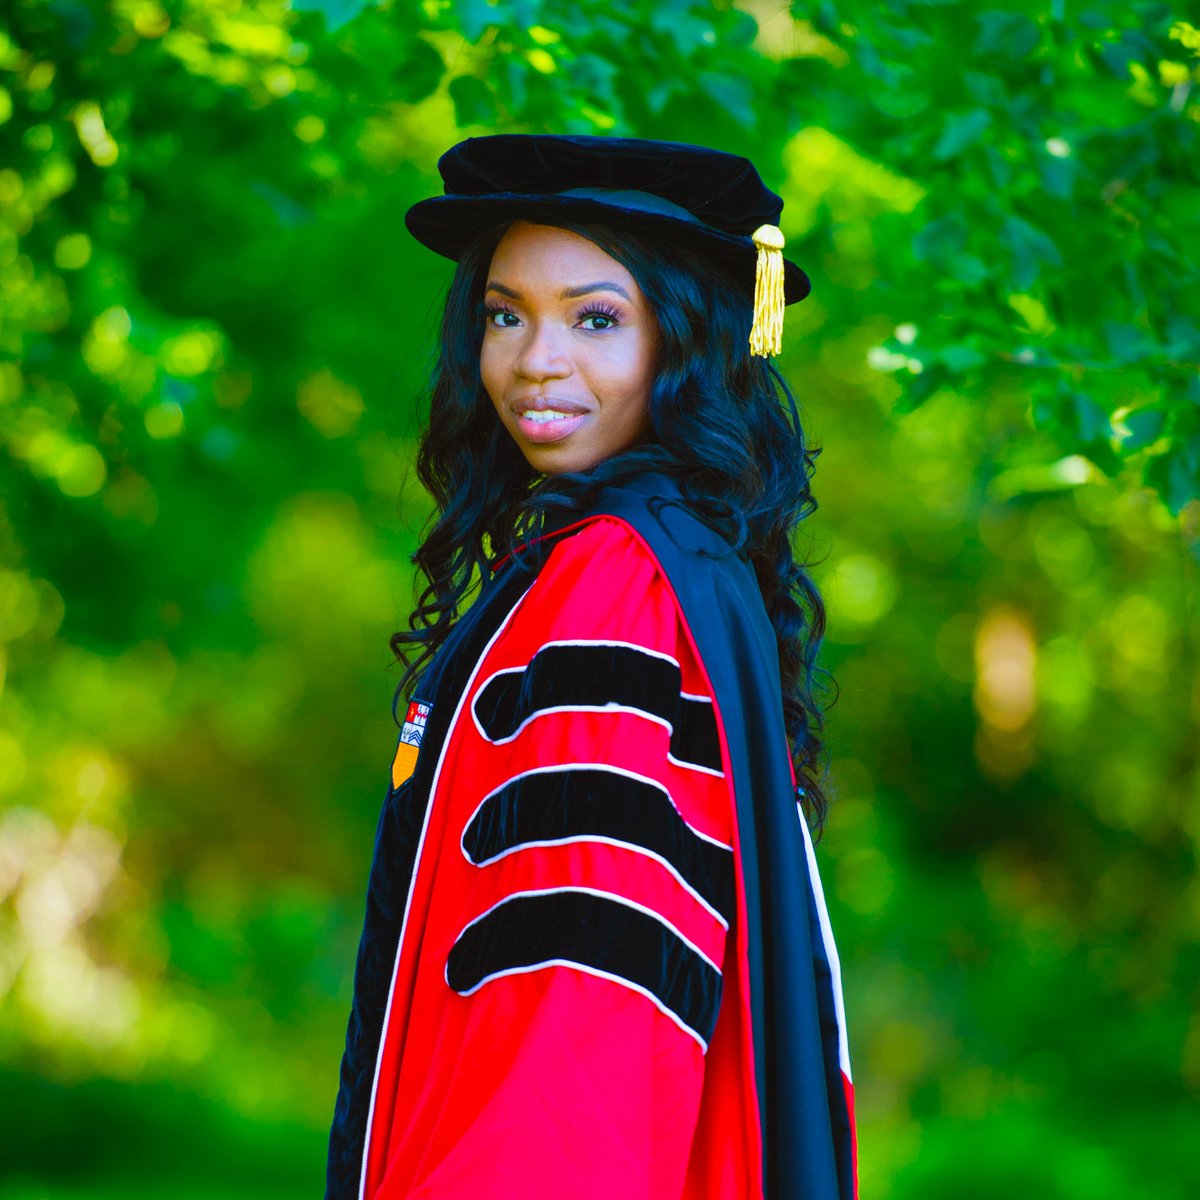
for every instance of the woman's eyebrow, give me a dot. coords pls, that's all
(573, 293)
(603, 285)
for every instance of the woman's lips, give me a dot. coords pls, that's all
(548, 425)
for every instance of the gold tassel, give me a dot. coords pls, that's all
(766, 335)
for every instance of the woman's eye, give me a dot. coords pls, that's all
(598, 321)
(502, 318)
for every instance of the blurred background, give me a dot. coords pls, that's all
(214, 336)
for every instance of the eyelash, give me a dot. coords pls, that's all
(593, 310)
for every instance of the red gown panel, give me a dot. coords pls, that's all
(569, 1012)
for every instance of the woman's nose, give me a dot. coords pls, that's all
(543, 354)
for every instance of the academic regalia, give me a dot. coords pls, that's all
(596, 960)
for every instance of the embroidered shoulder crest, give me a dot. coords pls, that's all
(411, 734)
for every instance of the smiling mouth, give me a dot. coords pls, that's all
(542, 416)
(548, 424)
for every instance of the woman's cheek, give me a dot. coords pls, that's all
(490, 370)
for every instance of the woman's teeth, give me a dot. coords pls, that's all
(541, 416)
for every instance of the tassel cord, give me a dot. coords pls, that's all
(766, 334)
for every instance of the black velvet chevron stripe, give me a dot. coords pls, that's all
(539, 929)
(595, 674)
(555, 806)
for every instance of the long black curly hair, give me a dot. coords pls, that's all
(718, 426)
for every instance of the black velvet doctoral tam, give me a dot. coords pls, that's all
(707, 201)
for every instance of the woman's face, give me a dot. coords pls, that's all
(568, 352)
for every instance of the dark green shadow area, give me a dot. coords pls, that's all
(101, 1138)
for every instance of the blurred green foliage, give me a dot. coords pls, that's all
(213, 339)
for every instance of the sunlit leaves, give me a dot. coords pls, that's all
(1057, 163)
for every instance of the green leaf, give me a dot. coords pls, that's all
(685, 28)
(999, 167)
(1174, 478)
(1057, 175)
(940, 239)
(419, 72)
(476, 16)
(474, 103)
(959, 131)
(660, 94)
(959, 359)
(1006, 34)
(905, 37)
(969, 270)
(1105, 457)
(1077, 414)
(513, 76)
(1091, 421)
(336, 12)
(732, 94)
(1183, 339)
(1038, 477)
(1126, 343)
(873, 64)
(594, 73)
(1144, 425)
(985, 89)
(826, 19)
(1190, 450)
(1047, 409)
(742, 29)
(1030, 248)
(1131, 46)
(1095, 18)
(918, 388)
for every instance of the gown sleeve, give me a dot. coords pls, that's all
(583, 900)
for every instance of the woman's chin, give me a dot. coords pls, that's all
(559, 460)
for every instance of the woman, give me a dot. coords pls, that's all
(595, 959)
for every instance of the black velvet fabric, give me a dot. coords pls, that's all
(595, 675)
(512, 176)
(548, 807)
(722, 190)
(570, 925)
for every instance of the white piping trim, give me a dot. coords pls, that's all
(633, 847)
(594, 708)
(600, 894)
(589, 970)
(412, 883)
(835, 966)
(578, 839)
(690, 766)
(612, 642)
(563, 708)
(561, 767)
